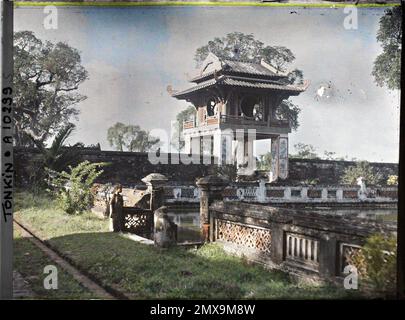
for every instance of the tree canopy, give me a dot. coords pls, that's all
(304, 151)
(387, 66)
(46, 78)
(131, 137)
(237, 45)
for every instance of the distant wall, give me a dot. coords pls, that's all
(331, 171)
(128, 168)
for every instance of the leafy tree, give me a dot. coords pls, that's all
(362, 169)
(238, 45)
(73, 188)
(186, 114)
(289, 111)
(245, 47)
(116, 134)
(329, 155)
(58, 156)
(304, 151)
(46, 79)
(139, 140)
(387, 66)
(55, 158)
(132, 137)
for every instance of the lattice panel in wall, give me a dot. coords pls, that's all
(248, 236)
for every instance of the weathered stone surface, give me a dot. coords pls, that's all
(165, 230)
(302, 242)
(211, 182)
(330, 171)
(126, 168)
(155, 179)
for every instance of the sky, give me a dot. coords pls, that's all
(132, 54)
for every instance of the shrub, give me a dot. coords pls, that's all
(376, 262)
(361, 169)
(392, 180)
(73, 188)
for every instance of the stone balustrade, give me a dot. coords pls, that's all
(303, 243)
(266, 193)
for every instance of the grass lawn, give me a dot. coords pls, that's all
(144, 272)
(30, 261)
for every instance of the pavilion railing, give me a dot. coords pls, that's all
(237, 120)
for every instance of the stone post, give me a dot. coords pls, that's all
(165, 230)
(211, 189)
(327, 256)
(155, 183)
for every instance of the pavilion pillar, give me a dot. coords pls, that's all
(223, 147)
(187, 144)
(195, 145)
(279, 158)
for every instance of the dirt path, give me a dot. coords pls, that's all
(76, 274)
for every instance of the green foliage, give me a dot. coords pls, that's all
(392, 180)
(387, 66)
(73, 189)
(186, 114)
(304, 151)
(132, 137)
(246, 47)
(264, 162)
(46, 79)
(55, 158)
(376, 262)
(362, 169)
(289, 111)
(116, 134)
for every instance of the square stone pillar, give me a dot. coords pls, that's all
(279, 158)
(210, 189)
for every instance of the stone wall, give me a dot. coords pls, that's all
(331, 171)
(127, 168)
(304, 243)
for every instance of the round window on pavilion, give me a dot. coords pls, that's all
(250, 107)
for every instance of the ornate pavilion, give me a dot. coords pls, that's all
(236, 103)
